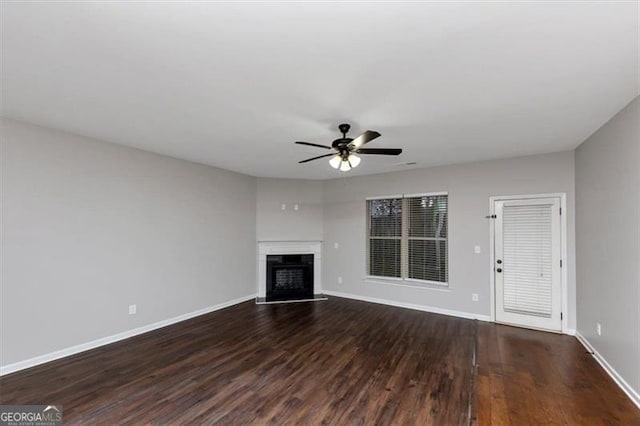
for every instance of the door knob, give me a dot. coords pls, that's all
(499, 270)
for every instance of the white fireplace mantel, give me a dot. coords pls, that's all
(289, 247)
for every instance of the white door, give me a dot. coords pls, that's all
(527, 262)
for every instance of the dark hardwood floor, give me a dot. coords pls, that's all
(528, 377)
(333, 362)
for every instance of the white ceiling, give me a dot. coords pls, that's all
(233, 85)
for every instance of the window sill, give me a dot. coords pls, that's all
(400, 282)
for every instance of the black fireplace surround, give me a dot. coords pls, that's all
(289, 277)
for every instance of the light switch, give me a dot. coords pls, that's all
(476, 250)
(284, 207)
(295, 207)
(336, 245)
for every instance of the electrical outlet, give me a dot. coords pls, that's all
(476, 249)
(339, 280)
(133, 309)
(474, 297)
(336, 245)
(599, 329)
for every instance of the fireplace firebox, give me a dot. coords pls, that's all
(289, 277)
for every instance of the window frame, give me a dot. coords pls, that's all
(404, 242)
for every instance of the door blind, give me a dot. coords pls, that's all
(527, 256)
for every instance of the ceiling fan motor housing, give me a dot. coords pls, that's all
(342, 144)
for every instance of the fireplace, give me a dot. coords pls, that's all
(289, 271)
(289, 277)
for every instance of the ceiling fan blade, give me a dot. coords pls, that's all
(315, 158)
(367, 136)
(380, 151)
(314, 144)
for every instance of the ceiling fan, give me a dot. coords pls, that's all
(344, 149)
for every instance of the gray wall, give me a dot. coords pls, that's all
(608, 236)
(273, 223)
(469, 187)
(91, 227)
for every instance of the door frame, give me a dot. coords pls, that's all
(564, 271)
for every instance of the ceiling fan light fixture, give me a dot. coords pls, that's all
(335, 161)
(354, 160)
(345, 166)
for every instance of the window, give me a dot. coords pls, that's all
(407, 238)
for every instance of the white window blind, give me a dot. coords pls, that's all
(385, 237)
(408, 238)
(427, 238)
(528, 278)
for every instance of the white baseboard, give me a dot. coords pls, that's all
(423, 308)
(32, 362)
(631, 393)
